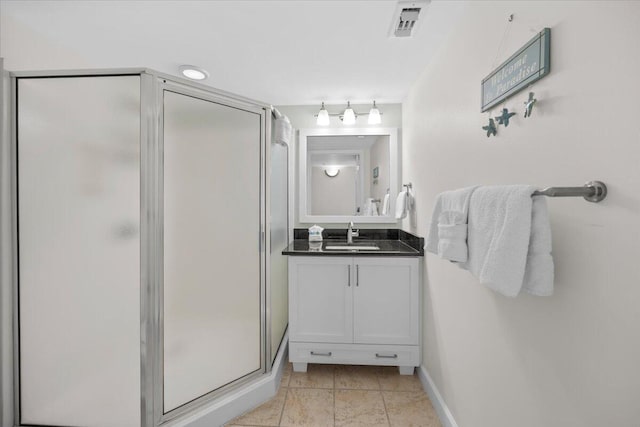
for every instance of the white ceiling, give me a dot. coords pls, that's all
(279, 52)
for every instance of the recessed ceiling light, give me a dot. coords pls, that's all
(332, 171)
(194, 73)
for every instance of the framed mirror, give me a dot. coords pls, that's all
(346, 174)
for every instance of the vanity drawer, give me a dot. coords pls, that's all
(355, 354)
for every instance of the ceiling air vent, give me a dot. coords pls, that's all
(405, 19)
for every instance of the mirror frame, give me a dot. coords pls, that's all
(394, 172)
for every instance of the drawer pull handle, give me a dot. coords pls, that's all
(349, 275)
(313, 353)
(382, 356)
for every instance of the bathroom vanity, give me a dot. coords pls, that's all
(356, 306)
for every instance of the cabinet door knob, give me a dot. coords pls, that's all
(313, 353)
(382, 356)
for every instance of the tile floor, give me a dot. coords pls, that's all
(344, 395)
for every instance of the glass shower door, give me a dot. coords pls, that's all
(212, 329)
(279, 239)
(78, 161)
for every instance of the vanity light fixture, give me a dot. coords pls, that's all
(194, 73)
(323, 117)
(374, 115)
(348, 116)
(332, 171)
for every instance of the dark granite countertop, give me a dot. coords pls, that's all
(392, 242)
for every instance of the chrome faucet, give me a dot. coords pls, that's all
(351, 233)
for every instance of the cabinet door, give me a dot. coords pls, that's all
(320, 299)
(386, 301)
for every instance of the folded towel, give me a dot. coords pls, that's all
(401, 204)
(500, 235)
(282, 130)
(370, 208)
(448, 231)
(452, 244)
(385, 205)
(538, 273)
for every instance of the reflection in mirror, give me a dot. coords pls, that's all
(346, 174)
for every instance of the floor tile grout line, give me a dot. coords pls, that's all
(358, 389)
(384, 403)
(334, 397)
(286, 395)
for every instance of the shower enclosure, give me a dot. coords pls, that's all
(145, 210)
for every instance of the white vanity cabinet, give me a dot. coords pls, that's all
(354, 310)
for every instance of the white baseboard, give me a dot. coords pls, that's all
(241, 400)
(446, 418)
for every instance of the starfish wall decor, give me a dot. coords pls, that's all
(503, 119)
(491, 128)
(528, 105)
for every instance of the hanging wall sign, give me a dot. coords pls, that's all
(530, 63)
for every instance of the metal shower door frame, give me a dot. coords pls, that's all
(152, 84)
(155, 267)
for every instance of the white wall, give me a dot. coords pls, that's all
(379, 159)
(333, 195)
(572, 359)
(302, 117)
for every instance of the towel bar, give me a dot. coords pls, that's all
(592, 191)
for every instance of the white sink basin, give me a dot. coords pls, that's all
(351, 248)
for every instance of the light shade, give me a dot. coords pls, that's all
(194, 73)
(348, 117)
(374, 115)
(323, 117)
(332, 171)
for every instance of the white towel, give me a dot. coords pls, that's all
(282, 130)
(401, 204)
(448, 231)
(500, 235)
(370, 208)
(385, 205)
(538, 273)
